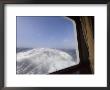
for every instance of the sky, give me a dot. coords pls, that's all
(45, 32)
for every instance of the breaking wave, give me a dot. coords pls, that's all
(43, 61)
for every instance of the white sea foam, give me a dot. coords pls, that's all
(43, 61)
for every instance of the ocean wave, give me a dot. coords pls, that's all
(43, 61)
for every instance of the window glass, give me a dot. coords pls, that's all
(45, 44)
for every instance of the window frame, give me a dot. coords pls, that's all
(84, 65)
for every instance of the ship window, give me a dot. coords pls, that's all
(45, 44)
